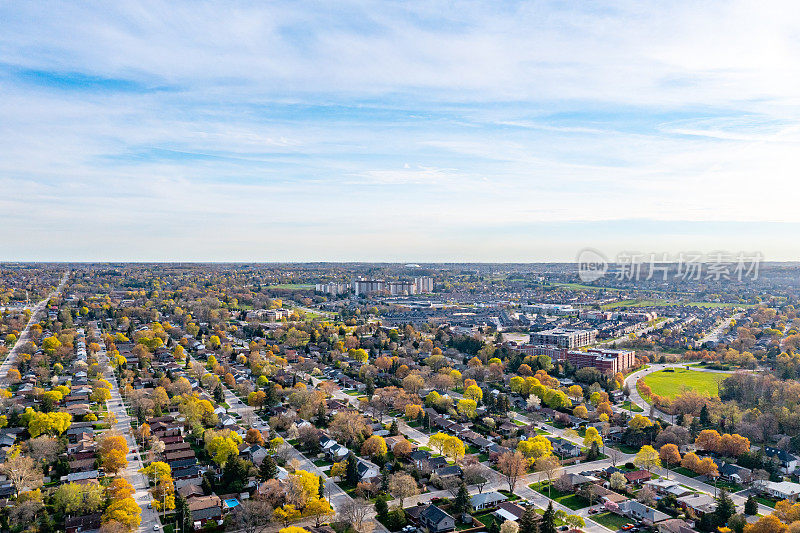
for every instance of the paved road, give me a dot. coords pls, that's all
(249, 418)
(715, 333)
(23, 337)
(140, 483)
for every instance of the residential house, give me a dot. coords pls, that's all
(642, 512)
(698, 502)
(735, 473)
(205, 508)
(675, 525)
(780, 490)
(637, 477)
(435, 519)
(486, 500)
(788, 462)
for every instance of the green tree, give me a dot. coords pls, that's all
(725, 508)
(529, 521)
(268, 468)
(751, 506)
(461, 503)
(351, 473)
(549, 520)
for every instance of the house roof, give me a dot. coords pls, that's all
(486, 497)
(434, 514)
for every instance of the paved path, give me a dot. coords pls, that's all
(11, 358)
(140, 483)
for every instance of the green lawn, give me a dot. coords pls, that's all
(670, 384)
(628, 406)
(685, 471)
(766, 501)
(610, 520)
(567, 499)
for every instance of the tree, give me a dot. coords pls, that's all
(354, 512)
(72, 498)
(592, 435)
(509, 527)
(251, 516)
(725, 507)
(472, 475)
(708, 440)
(575, 521)
(548, 520)
(381, 509)
(268, 469)
(23, 473)
(467, 408)
(317, 508)
(286, 514)
(647, 458)
(493, 527)
(512, 465)
(347, 427)
(473, 392)
(374, 447)
(551, 467)
(402, 486)
(119, 489)
(529, 521)
(751, 506)
(124, 511)
(461, 502)
(114, 460)
(351, 470)
(669, 454)
(617, 481)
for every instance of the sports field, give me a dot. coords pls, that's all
(670, 384)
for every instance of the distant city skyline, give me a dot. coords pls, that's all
(402, 132)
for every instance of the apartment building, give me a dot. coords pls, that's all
(565, 337)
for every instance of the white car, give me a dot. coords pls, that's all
(155, 527)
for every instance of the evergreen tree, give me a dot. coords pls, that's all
(351, 472)
(705, 420)
(529, 521)
(234, 475)
(725, 508)
(494, 527)
(322, 419)
(183, 515)
(381, 509)
(268, 469)
(549, 520)
(370, 390)
(394, 429)
(751, 506)
(219, 396)
(321, 489)
(461, 503)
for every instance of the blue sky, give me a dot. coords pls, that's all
(400, 131)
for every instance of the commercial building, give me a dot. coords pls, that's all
(565, 337)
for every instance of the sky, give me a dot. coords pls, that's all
(412, 131)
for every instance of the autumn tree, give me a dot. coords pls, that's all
(512, 465)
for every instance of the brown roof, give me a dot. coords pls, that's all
(204, 502)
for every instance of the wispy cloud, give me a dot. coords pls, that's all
(411, 127)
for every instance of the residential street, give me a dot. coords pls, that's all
(115, 404)
(23, 337)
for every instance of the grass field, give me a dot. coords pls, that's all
(628, 406)
(670, 384)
